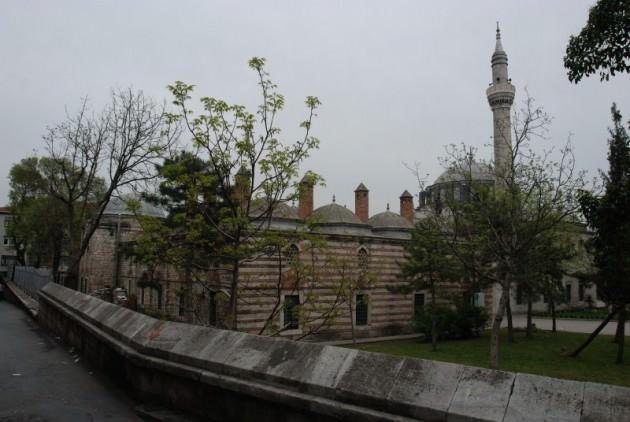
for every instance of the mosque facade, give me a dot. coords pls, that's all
(356, 241)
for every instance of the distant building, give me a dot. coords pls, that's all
(7, 247)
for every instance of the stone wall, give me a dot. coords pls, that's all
(233, 376)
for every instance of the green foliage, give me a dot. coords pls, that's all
(608, 216)
(462, 321)
(603, 44)
(253, 172)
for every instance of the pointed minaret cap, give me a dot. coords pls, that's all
(361, 188)
(499, 55)
(406, 194)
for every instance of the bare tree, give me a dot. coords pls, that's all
(94, 157)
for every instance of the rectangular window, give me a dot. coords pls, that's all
(361, 310)
(7, 222)
(567, 293)
(478, 299)
(581, 292)
(291, 320)
(418, 302)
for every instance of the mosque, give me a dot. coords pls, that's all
(365, 243)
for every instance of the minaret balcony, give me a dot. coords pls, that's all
(501, 95)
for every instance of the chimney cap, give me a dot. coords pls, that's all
(361, 188)
(406, 194)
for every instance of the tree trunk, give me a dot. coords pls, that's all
(618, 332)
(354, 338)
(234, 295)
(188, 306)
(496, 332)
(508, 310)
(621, 328)
(434, 334)
(529, 332)
(552, 305)
(594, 334)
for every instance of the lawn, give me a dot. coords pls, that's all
(545, 354)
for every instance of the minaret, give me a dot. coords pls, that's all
(501, 97)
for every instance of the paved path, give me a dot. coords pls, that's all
(570, 325)
(41, 382)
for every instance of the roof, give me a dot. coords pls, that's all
(478, 172)
(119, 206)
(5, 210)
(406, 194)
(281, 210)
(361, 188)
(336, 214)
(389, 220)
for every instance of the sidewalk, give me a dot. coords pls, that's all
(570, 325)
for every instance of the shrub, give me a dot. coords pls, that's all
(459, 322)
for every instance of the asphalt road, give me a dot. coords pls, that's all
(41, 380)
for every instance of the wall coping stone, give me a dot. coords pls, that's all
(348, 384)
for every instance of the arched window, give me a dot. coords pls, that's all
(363, 259)
(293, 254)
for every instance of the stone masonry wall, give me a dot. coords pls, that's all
(233, 376)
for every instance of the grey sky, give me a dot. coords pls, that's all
(398, 79)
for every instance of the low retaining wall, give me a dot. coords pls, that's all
(226, 375)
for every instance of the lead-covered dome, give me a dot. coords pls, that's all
(335, 214)
(389, 220)
(476, 172)
(119, 206)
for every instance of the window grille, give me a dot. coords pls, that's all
(361, 310)
(291, 320)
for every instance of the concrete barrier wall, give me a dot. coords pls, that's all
(226, 375)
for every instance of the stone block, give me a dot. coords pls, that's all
(188, 349)
(219, 347)
(424, 389)
(605, 403)
(160, 340)
(369, 379)
(318, 369)
(536, 398)
(481, 395)
(251, 356)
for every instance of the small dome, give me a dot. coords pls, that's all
(118, 206)
(281, 210)
(478, 172)
(335, 214)
(389, 220)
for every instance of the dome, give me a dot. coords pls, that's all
(389, 220)
(118, 206)
(281, 210)
(478, 172)
(335, 214)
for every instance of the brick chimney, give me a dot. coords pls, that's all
(362, 203)
(406, 206)
(306, 196)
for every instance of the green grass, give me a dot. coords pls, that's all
(545, 354)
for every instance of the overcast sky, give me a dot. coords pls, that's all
(398, 79)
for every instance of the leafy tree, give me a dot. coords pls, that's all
(603, 44)
(27, 185)
(430, 266)
(609, 218)
(185, 238)
(230, 139)
(496, 234)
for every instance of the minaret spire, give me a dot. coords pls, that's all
(501, 97)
